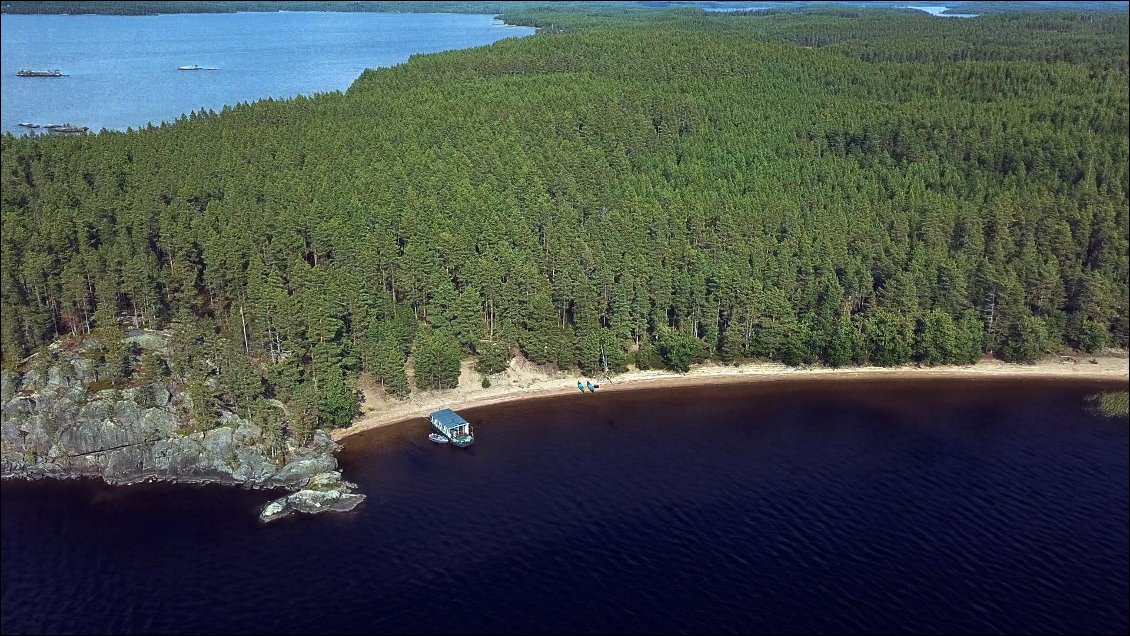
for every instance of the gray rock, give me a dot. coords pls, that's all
(76, 394)
(161, 395)
(51, 426)
(32, 380)
(94, 411)
(315, 501)
(129, 461)
(151, 340)
(275, 510)
(18, 408)
(127, 413)
(176, 455)
(159, 423)
(298, 471)
(56, 376)
(324, 481)
(218, 441)
(80, 438)
(14, 463)
(323, 441)
(311, 502)
(246, 433)
(252, 467)
(8, 383)
(83, 371)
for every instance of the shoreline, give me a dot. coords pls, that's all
(525, 381)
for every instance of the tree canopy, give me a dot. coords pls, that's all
(837, 186)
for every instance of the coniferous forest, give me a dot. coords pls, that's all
(840, 186)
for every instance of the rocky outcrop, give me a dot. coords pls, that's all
(52, 424)
(323, 492)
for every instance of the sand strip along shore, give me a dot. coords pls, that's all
(524, 380)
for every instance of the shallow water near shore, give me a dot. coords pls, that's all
(981, 506)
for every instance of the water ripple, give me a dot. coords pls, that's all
(786, 510)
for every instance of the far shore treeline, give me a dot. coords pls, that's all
(842, 186)
(155, 7)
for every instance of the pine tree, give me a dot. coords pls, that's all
(338, 403)
(205, 405)
(970, 337)
(240, 379)
(389, 367)
(889, 336)
(839, 350)
(1027, 341)
(937, 341)
(437, 360)
(679, 350)
(467, 326)
(494, 357)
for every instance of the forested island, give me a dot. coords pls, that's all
(644, 189)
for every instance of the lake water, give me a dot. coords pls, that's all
(938, 12)
(784, 507)
(123, 69)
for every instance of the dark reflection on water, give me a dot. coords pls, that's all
(909, 506)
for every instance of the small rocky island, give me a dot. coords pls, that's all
(60, 420)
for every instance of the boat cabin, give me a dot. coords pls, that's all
(448, 423)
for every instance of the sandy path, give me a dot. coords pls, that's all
(524, 380)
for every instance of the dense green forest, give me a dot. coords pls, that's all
(841, 187)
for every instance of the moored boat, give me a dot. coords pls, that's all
(448, 424)
(67, 128)
(437, 438)
(29, 125)
(26, 72)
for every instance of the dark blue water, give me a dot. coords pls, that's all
(122, 69)
(880, 507)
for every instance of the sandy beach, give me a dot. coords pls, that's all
(524, 380)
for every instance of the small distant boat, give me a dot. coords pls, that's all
(437, 438)
(66, 128)
(197, 67)
(26, 72)
(29, 125)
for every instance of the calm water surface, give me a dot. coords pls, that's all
(936, 507)
(123, 68)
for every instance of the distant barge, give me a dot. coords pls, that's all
(57, 128)
(196, 67)
(30, 73)
(66, 128)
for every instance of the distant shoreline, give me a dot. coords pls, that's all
(524, 381)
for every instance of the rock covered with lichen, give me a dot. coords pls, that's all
(57, 419)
